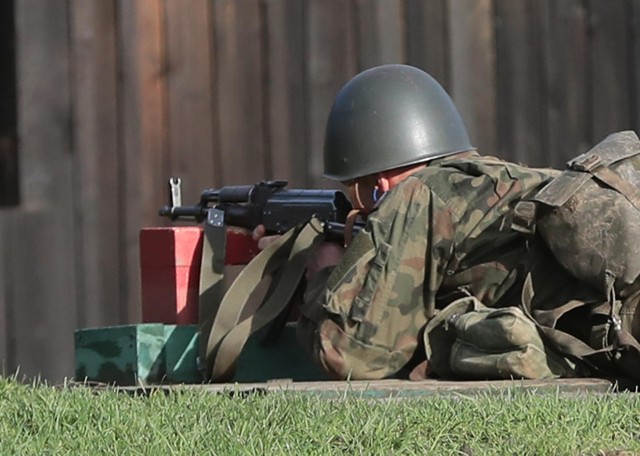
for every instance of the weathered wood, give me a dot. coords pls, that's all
(634, 17)
(427, 38)
(610, 77)
(239, 78)
(8, 114)
(6, 322)
(330, 64)
(144, 145)
(380, 32)
(95, 160)
(634, 68)
(285, 97)
(8, 173)
(473, 79)
(405, 389)
(521, 79)
(191, 123)
(8, 170)
(42, 249)
(9, 195)
(568, 81)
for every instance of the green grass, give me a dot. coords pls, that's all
(43, 420)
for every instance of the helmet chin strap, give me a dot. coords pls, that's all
(363, 200)
(361, 195)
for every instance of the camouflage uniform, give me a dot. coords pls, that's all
(442, 232)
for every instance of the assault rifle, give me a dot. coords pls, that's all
(278, 209)
(266, 203)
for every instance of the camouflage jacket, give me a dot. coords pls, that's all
(444, 231)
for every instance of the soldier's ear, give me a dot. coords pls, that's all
(383, 182)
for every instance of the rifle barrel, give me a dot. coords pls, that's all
(175, 212)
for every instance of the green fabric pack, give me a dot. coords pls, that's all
(471, 341)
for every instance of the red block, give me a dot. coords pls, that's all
(241, 248)
(170, 274)
(170, 260)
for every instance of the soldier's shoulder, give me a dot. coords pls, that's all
(411, 190)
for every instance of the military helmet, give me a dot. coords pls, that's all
(388, 117)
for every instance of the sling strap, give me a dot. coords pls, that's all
(211, 277)
(609, 177)
(284, 260)
(564, 342)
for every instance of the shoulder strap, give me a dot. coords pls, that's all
(595, 163)
(567, 344)
(211, 277)
(228, 334)
(622, 186)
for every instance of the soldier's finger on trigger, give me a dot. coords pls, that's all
(258, 233)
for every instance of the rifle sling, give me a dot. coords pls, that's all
(228, 335)
(211, 282)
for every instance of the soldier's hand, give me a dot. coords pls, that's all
(260, 234)
(328, 254)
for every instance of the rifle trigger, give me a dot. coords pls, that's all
(176, 192)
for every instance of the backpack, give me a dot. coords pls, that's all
(589, 217)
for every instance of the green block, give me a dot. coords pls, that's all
(124, 355)
(284, 358)
(153, 353)
(258, 362)
(181, 354)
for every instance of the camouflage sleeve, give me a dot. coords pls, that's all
(364, 323)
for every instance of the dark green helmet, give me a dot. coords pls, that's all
(388, 117)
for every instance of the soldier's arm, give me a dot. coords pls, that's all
(364, 321)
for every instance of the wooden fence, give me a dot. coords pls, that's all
(115, 96)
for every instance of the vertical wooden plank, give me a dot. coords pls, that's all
(8, 146)
(380, 32)
(285, 91)
(8, 165)
(634, 67)
(331, 63)
(473, 79)
(96, 162)
(521, 80)
(8, 172)
(427, 32)
(568, 80)
(611, 83)
(144, 151)
(42, 250)
(7, 364)
(239, 41)
(191, 122)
